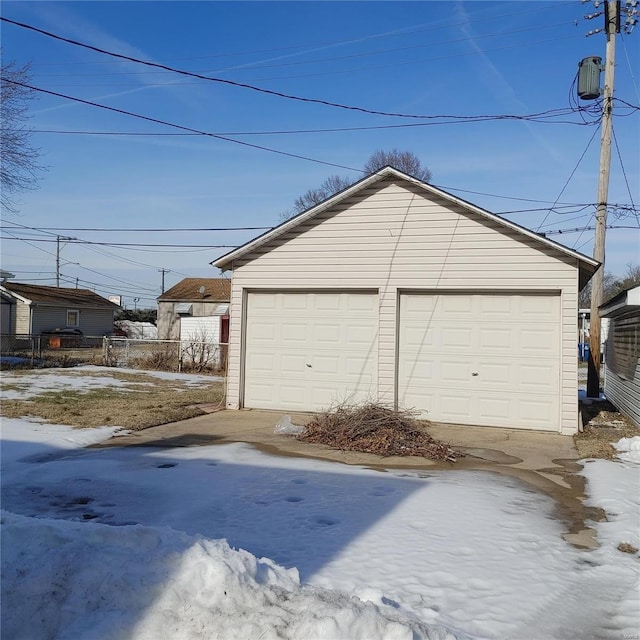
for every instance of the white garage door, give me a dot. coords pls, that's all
(307, 351)
(481, 359)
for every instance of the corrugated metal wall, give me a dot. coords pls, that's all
(622, 364)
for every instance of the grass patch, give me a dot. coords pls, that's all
(134, 407)
(602, 425)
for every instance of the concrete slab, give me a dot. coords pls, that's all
(546, 461)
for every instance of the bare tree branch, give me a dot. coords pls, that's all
(404, 161)
(19, 168)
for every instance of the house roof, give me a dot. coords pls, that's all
(56, 296)
(588, 266)
(215, 289)
(625, 301)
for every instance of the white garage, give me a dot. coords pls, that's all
(481, 358)
(398, 292)
(306, 351)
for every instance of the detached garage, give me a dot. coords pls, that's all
(397, 292)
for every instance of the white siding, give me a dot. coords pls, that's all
(22, 322)
(169, 320)
(391, 236)
(201, 329)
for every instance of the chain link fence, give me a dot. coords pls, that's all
(162, 355)
(165, 355)
(52, 347)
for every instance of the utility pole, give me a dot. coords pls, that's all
(57, 262)
(611, 28)
(163, 271)
(58, 238)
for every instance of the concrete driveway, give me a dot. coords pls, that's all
(546, 461)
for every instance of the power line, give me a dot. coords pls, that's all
(566, 184)
(177, 126)
(581, 230)
(129, 244)
(624, 173)
(134, 230)
(234, 83)
(29, 241)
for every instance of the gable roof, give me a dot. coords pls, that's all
(54, 296)
(215, 289)
(588, 266)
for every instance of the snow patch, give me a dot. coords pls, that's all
(71, 580)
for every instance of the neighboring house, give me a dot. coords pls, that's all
(622, 353)
(395, 291)
(35, 309)
(194, 309)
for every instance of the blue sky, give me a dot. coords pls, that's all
(425, 58)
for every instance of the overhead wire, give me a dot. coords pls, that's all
(626, 53)
(177, 126)
(566, 184)
(30, 241)
(624, 173)
(225, 81)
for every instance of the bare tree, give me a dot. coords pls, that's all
(200, 352)
(404, 161)
(612, 285)
(328, 188)
(19, 169)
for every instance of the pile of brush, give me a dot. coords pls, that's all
(373, 428)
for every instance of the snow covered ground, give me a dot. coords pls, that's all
(227, 542)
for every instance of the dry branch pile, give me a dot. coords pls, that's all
(372, 428)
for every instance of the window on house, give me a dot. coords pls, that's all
(73, 318)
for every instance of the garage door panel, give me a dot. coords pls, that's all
(265, 331)
(495, 409)
(321, 346)
(362, 334)
(494, 338)
(538, 377)
(418, 336)
(453, 408)
(263, 361)
(458, 372)
(326, 364)
(327, 334)
(494, 365)
(540, 306)
(290, 364)
(457, 338)
(496, 373)
(292, 303)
